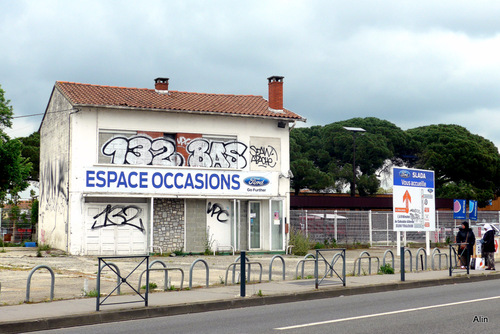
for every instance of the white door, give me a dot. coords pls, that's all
(116, 229)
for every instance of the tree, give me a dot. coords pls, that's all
(14, 169)
(31, 150)
(306, 175)
(465, 165)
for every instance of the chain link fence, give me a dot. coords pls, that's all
(376, 227)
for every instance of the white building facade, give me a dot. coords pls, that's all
(126, 170)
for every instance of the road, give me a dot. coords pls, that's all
(460, 308)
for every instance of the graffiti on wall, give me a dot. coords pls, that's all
(201, 152)
(218, 211)
(264, 156)
(206, 153)
(54, 190)
(142, 150)
(53, 197)
(119, 215)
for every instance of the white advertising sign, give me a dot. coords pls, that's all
(179, 181)
(413, 200)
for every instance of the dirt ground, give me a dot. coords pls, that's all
(76, 276)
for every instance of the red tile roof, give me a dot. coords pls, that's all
(142, 98)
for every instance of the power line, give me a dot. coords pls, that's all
(48, 112)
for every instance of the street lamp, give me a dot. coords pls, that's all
(354, 132)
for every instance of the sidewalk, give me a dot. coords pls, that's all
(76, 312)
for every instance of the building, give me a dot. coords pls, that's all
(128, 170)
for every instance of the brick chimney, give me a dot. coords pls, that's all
(161, 85)
(275, 93)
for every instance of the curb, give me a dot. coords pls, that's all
(101, 317)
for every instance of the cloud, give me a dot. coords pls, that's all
(410, 63)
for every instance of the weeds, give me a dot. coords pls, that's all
(386, 269)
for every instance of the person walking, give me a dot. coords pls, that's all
(465, 240)
(488, 247)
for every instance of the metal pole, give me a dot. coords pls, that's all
(402, 264)
(243, 274)
(353, 188)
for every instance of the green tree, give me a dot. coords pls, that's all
(465, 165)
(307, 175)
(14, 169)
(31, 150)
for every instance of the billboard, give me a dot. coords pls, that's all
(413, 200)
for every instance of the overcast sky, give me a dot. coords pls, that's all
(412, 63)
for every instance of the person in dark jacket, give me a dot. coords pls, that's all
(488, 247)
(466, 240)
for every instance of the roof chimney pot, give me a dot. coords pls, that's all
(275, 93)
(161, 85)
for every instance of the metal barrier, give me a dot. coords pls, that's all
(28, 284)
(249, 266)
(288, 250)
(271, 267)
(437, 252)
(456, 255)
(152, 248)
(111, 264)
(385, 254)
(421, 249)
(191, 272)
(330, 266)
(123, 280)
(361, 256)
(223, 246)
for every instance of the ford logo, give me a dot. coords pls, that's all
(256, 181)
(404, 174)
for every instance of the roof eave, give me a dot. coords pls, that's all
(202, 112)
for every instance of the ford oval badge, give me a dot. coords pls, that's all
(404, 174)
(256, 181)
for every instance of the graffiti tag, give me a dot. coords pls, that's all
(142, 150)
(119, 215)
(204, 153)
(217, 210)
(264, 156)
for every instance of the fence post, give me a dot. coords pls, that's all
(370, 227)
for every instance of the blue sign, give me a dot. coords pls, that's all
(256, 181)
(459, 209)
(472, 210)
(413, 178)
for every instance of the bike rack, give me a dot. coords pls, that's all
(28, 284)
(271, 266)
(392, 254)
(191, 272)
(248, 264)
(437, 252)
(123, 280)
(307, 258)
(247, 260)
(406, 250)
(421, 249)
(361, 256)
(330, 270)
(165, 281)
(111, 264)
(166, 270)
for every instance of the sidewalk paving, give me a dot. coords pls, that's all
(77, 312)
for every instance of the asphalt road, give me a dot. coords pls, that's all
(460, 308)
